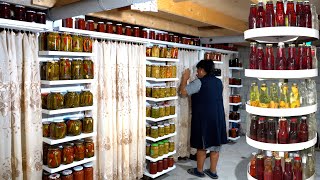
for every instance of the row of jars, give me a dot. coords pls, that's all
(234, 81)
(55, 41)
(160, 148)
(67, 69)
(304, 95)
(18, 12)
(156, 111)
(294, 165)
(235, 62)
(56, 100)
(160, 129)
(234, 98)
(84, 172)
(161, 91)
(221, 46)
(162, 52)
(54, 156)
(72, 127)
(213, 56)
(234, 132)
(161, 71)
(302, 57)
(159, 166)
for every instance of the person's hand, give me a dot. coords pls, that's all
(186, 74)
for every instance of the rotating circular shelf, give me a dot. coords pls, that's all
(286, 112)
(281, 34)
(281, 74)
(281, 147)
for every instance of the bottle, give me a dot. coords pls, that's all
(281, 59)
(253, 16)
(297, 169)
(253, 56)
(274, 96)
(253, 165)
(253, 128)
(291, 18)
(312, 126)
(268, 61)
(293, 133)
(314, 57)
(254, 95)
(308, 15)
(283, 135)
(303, 130)
(261, 131)
(264, 96)
(310, 165)
(261, 15)
(307, 60)
(268, 175)
(260, 56)
(288, 174)
(284, 96)
(303, 94)
(270, 17)
(280, 17)
(277, 170)
(304, 166)
(259, 167)
(311, 92)
(271, 131)
(294, 96)
(299, 63)
(291, 61)
(301, 19)
(315, 20)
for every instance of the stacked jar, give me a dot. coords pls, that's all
(161, 71)
(160, 129)
(161, 110)
(159, 166)
(161, 91)
(162, 52)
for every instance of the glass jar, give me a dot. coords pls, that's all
(149, 51)
(68, 23)
(31, 16)
(264, 96)
(155, 71)
(87, 44)
(54, 177)
(152, 34)
(45, 148)
(89, 148)
(156, 92)
(169, 71)
(77, 43)
(100, 27)
(161, 111)
(45, 175)
(160, 166)
(77, 68)
(163, 52)
(259, 166)
(71, 99)
(148, 130)
(88, 171)
(64, 69)
(293, 133)
(86, 98)
(162, 92)
(166, 129)
(109, 27)
(136, 31)
(52, 70)
(87, 124)
(173, 91)
(149, 91)
(174, 52)
(163, 71)
(78, 173)
(169, 53)
(261, 130)
(253, 128)
(66, 42)
(119, 29)
(172, 127)
(128, 31)
(79, 151)
(167, 110)
(154, 153)
(58, 129)
(165, 163)
(172, 109)
(67, 175)
(294, 96)
(153, 168)
(88, 68)
(283, 135)
(161, 130)
(148, 149)
(80, 23)
(155, 51)
(45, 129)
(148, 110)
(20, 13)
(154, 132)
(43, 41)
(90, 25)
(303, 130)
(170, 161)
(67, 154)
(148, 71)
(55, 100)
(174, 71)
(274, 96)
(271, 131)
(5, 10)
(53, 41)
(284, 96)
(54, 157)
(168, 92)
(74, 127)
(287, 173)
(166, 147)
(171, 146)
(161, 148)
(144, 33)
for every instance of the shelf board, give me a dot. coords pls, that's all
(22, 25)
(68, 138)
(219, 77)
(64, 53)
(281, 34)
(219, 50)
(162, 79)
(67, 110)
(236, 68)
(235, 121)
(235, 86)
(234, 139)
(161, 99)
(63, 82)
(68, 166)
(162, 59)
(153, 176)
(235, 104)
(161, 119)
(286, 112)
(281, 74)
(218, 62)
(161, 157)
(281, 147)
(161, 138)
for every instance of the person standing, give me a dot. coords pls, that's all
(208, 125)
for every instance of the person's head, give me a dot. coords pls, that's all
(205, 67)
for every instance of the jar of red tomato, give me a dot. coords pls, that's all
(54, 157)
(45, 148)
(170, 161)
(68, 23)
(109, 27)
(100, 27)
(119, 29)
(80, 23)
(78, 173)
(67, 175)
(67, 154)
(88, 171)
(41, 17)
(128, 31)
(152, 34)
(31, 16)
(153, 168)
(79, 151)
(20, 13)
(144, 33)
(136, 31)
(89, 148)
(5, 10)
(90, 25)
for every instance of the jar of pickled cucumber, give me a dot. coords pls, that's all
(155, 112)
(148, 130)
(55, 100)
(86, 98)
(169, 53)
(162, 92)
(172, 110)
(77, 43)
(161, 130)
(163, 71)
(148, 149)
(166, 147)
(149, 91)
(87, 44)
(161, 111)
(53, 41)
(172, 127)
(43, 72)
(88, 68)
(149, 52)
(169, 71)
(66, 42)
(163, 52)
(77, 68)
(156, 92)
(171, 146)
(52, 70)
(154, 153)
(174, 71)
(148, 70)
(46, 129)
(167, 110)
(148, 111)
(155, 51)
(71, 99)
(87, 124)
(173, 91)
(166, 129)
(74, 127)
(58, 129)
(155, 71)
(161, 148)
(154, 132)
(65, 69)
(168, 93)
(43, 41)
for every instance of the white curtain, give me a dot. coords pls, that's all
(20, 107)
(120, 109)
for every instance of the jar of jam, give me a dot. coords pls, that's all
(152, 34)
(68, 23)
(55, 100)
(41, 17)
(45, 175)
(87, 44)
(128, 31)
(74, 127)
(67, 175)
(100, 27)
(154, 132)
(87, 124)
(165, 36)
(67, 154)
(170, 161)
(31, 16)
(43, 41)
(58, 129)
(161, 148)
(66, 42)
(80, 23)
(71, 99)
(136, 31)
(149, 52)
(144, 33)
(5, 10)
(54, 177)
(88, 171)
(109, 27)
(90, 25)
(45, 148)
(165, 163)
(166, 129)
(77, 68)
(20, 13)
(53, 41)
(77, 43)
(46, 129)
(89, 148)
(161, 130)
(79, 151)
(153, 168)
(166, 147)
(148, 130)
(148, 149)
(78, 173)
(172, 110)
(65, 69)
(52, 70)
(155, 51)
(171, 146)
(87, 68)
(154, 153)
(160, 166)
(86, 98)
(119, 29)
(148, 91)
(54, 157)
(156, 92)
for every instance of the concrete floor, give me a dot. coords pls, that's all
(232, 164)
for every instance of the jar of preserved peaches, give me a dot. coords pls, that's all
(174, 52)
(80, 23)
(74, 127)
(53, 41)
(89, 148)
(79, 151)
(78, 173)
(86, 98)
(64, 69)
(87, 44)
(87, 124)
(88, 69)
(68, 23)
(54, 177)
(90, 25)
(149, 51)
(67, 175)
(71, 99)
(58, 129)
(67, 154)
(163, 52)
(77, 68)
(54, 157)
(88, 171)
(46, 129)
(77, 43)
(55, 100)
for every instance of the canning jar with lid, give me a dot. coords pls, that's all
(166, 147)
(88, 68)
(166, 129)
(155, 51)
(148, 149)
(109, 27)
(161, 148)
(172, 110)
(153, 168)
(43, 41)
(31, 16)
(161, 111)
(67, 154)
(87, 124)
(5, 10)
(154, 133)
(20, 13)
(100, 27)
(53, 41)
(167, 109)
(128, 31)
(155, 92)
(45, 175)
(54, 157)
(144, 33)
(77, 68)
(171, 146)
(79, 151)
(155, 71)
(68, 23)
(162, 92)
(46, 129)
(71, 99)
(90, 25)
(67, 175)
(54, 177)
(172, 127)
(77, 43)
(136, 31)
(119, 29)
(87, 44)
(65, 69)
(66, 42)
(148, 111)
(154, 153)
(161, 130)
(58, 129)
(148, 91)
(45, 148)
(155, 112)
(78, 173)
(52, 70)
(86, 98)
(55, 100)
(74, 127)
(80, 23)
(152, 34)
(89, 148)
(163, 52)
(88, 171)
